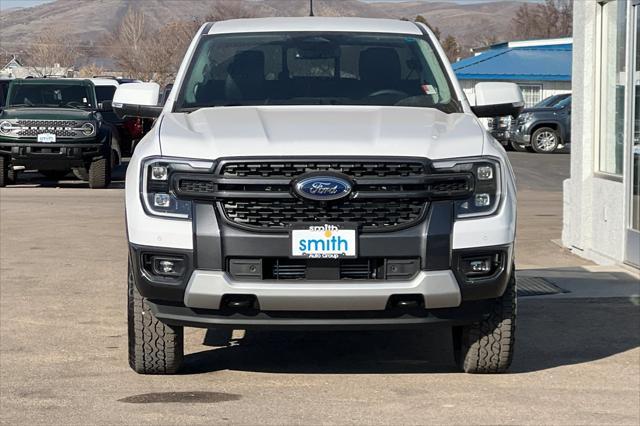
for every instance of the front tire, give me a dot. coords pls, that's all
(100, 172)
(486, 346)
(545, 140)
(4, 172)
(518, 148)
(154, 347)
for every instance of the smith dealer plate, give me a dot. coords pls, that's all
(323, 242)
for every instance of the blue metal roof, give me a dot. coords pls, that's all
(537, 63)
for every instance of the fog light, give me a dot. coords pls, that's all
(482, 200)
(480, 266)
(485, 173)
(167, 266)
(159, 173)
(162, 200)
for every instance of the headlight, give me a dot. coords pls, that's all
(6, 127)
(88, 129)
(156, 193)
(487, 187)
(525, 117)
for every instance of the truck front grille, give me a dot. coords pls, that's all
(387, 195)
(371, 214)
(60, 128)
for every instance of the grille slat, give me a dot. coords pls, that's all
(345, 269)
(296, 168)
(268, 214)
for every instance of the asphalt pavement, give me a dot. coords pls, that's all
(63, 339)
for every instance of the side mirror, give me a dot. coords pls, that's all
(498, 100)
(137, 100)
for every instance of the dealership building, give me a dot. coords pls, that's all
(601, 198)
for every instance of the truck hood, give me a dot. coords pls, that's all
(212, 133)
(29, 113)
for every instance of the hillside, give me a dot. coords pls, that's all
(91, 20)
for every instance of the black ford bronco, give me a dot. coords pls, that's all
(56, 126)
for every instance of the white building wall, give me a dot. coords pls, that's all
(594, 213)
(549, 88)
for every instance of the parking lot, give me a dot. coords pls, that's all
(63, 337)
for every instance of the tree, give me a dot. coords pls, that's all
(156, 54)
(229, 9)
(435, 30)
(128, 43)
(553, 18)
(45, 54)
(451, 48)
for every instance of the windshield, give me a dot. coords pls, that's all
(49, 95)
(550, 101)
(563, 103)
(316, 69)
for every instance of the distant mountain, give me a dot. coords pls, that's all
(91, 20)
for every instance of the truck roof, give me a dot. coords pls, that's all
(312, 23)
(58, 81)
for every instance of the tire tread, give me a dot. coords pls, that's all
(487, 346)
(154, 347)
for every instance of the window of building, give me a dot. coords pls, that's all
(613, 81)
(532, 94)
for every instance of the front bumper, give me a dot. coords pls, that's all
(466, 313)
(200, 297)
(54, 156)
(521, 134)
(502, 135)
(207, 289)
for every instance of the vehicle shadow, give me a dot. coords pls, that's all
(33, 179)
(551, 333)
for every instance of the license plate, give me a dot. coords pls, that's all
(324, 242)
(47, 137)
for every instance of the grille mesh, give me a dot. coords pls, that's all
(35, 132)
(268, 214)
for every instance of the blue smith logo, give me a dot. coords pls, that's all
(330, 243)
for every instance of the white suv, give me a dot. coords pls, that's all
(319, 173)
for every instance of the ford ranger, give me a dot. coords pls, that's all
(315, 173)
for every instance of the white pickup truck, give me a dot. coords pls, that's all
(317, 173)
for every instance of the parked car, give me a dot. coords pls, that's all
(54, 126)
(500, 129)
(130, 130)
(343, 183)
(545, 129)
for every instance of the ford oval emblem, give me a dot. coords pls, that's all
(322, 187)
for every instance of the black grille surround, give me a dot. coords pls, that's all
(389, 194)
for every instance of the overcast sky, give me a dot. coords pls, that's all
(6, 4)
